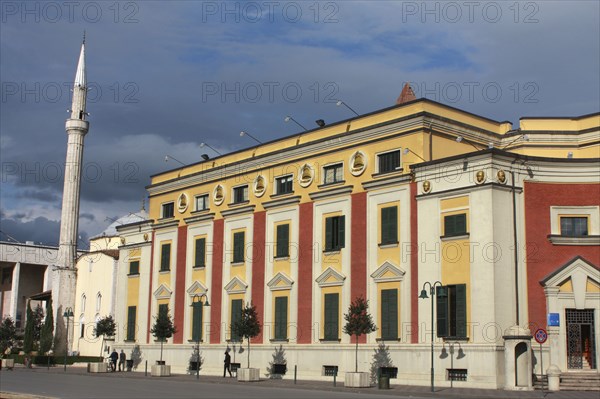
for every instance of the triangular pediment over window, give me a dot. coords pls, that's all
(163, 292)
(236, 286)
(330, 277)
(388, 272)
(573, 278)
(197, 288)
(280, 282)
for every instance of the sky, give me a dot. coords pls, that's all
(165, 76)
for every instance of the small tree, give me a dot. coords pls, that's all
(8, 332)
(358, 322)
(163, 328)
(248, 326)
(38, 322)
(28, 338)
(46, 335)
(105, 327)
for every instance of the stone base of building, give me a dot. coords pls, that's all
(357, 380)
(97, 368)
(161, 370)
(248, 375)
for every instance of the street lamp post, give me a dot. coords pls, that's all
(424, 296)
(67, 315)
(197, 301)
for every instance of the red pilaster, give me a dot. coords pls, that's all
(358, 257)
(216, 283)
(305, 257)
(258, 268)
(179, 306)
(414, 265)
(150, 288)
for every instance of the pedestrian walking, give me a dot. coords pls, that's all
(114, 356)
(122, 359)
(227, 365)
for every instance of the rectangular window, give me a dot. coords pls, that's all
(333, 173)
(574, 226)
(283, 241)
(281, 305)
(284, 185)
(168, 210)
(200, 254)
(335, 233)
(163, 309)
(240, 194)
(165, 257)
(451, 311)
(236, 316)
(389, 162)
(134, 267)
(455, 225)
(238, 246)
(389, 225)
(131, 314)
(389, 314)
(197, 321)
(331, 317)
(202, 202)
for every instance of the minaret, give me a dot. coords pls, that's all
(64, 276)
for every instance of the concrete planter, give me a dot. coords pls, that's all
(357, 380)
(161, 370)
(553, 378)
(248, 375)
(97, 367)
(8, 364)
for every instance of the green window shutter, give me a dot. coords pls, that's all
(236, 316)
(131, 314)
(441, 296)
(163, 309)
(165, 257)
(134, 267)
(197, 321)
(283, 240)
(329, 234)
(341, 232)
(281, 304)
(331, 317)
(461, 310)
(389, 225)
(455, 224)
(389, 314)
(200, 252)
(238, 246)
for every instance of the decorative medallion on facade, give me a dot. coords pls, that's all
(218, 195)
(480, 177)
(182, 202)
(358, 163)
(145, 236)
(501, 176)
(426, 186)
(306, 175)
(123, 240)
(260, 186)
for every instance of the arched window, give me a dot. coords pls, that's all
(98, 302)
(82, 303)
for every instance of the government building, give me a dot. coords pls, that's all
(458, 229)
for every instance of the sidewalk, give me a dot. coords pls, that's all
(396, 389)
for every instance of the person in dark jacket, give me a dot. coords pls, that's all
(114, 356)
(227, 366)
(122, 359)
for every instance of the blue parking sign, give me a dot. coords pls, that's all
(553, 319)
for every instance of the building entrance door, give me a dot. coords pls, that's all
(581, 351)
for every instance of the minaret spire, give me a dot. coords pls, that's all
(64, 272)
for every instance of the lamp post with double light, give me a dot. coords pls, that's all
(423, 295)
(196, 302)
(67, 315)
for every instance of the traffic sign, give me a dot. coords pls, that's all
(541, 336)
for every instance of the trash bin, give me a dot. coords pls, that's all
(384, 382)
(129, 365)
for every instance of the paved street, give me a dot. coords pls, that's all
(76, 383)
